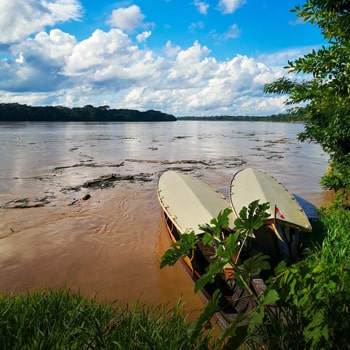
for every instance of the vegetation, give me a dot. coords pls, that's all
(305, 306)
(287, 117)
(65, 320)
(15, 112)
(322, 96)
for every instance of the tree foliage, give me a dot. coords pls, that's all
(15, 112)
(322, 96)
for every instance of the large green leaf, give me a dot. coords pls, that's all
(180, 249)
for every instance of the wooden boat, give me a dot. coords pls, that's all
(278, 237)
(188, 202)
(251, 184)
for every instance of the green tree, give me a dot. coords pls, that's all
(322, 96)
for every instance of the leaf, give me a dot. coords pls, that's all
(180, 249)
(255, 264)
(270, 297)
(257, 317)
(251, 218)
(213, 269)
(210, 309)
(207, 239)
(217, 224)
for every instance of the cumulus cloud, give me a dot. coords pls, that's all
(230, 6)
(171, 50)
(108, 68)
(143, 36)
(109, 55)
(26, 17)
(128, 19)
(279, 58)
(201, 6)
(38, 63)
(116, 68)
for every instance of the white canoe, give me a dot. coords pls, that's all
(250, 184)
(190, 202)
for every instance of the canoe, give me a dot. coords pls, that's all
(251, 184)
(188, 202)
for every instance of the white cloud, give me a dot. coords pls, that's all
(38, 62)
(128, 19)
(297, 22)
(171, 50)
(280, 58)
(195, 84)
(52, 48)
(20, 18)
(107, 68)
(230, 6)
(143, 36)
(201, 6)
(110, 68)
(233, 32)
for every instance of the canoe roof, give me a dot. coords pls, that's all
(250, 184)
(189, 201)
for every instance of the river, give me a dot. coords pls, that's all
(78, 202)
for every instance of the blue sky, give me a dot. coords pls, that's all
(195, 57)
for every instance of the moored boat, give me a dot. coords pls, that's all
(279, 235)
(187, 202)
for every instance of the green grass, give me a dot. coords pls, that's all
(65, 320)
(335, 246)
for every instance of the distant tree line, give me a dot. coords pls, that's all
(271, 118)
(16, 112)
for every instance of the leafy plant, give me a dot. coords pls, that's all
(321, 96)
(305, 305)
(311, 297)
(228, 245)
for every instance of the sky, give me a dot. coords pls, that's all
(182, 57)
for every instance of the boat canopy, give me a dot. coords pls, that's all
(250, 184)
(189, 201)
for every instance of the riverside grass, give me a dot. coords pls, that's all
(62, 319)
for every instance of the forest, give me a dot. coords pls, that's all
(15, 112)
(282, 117)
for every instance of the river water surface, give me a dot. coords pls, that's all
(78, 201)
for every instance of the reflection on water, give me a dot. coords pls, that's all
(111, 243)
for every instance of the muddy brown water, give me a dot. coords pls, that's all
(78, 202)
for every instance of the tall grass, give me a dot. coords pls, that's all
(335, 246)
(65, 320)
